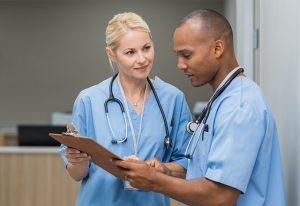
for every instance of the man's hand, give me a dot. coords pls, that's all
(138, 173)
(158, 165)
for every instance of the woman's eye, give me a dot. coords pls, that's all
(146, 48)
(129, 53)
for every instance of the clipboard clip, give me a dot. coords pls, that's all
(71, 130)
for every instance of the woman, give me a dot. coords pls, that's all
(139, 131)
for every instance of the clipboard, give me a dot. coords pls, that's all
(99, 154)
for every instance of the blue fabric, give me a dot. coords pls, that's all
(100, 187)
(241, 147)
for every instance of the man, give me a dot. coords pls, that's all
(236, 160)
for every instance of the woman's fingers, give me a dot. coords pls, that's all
(74, 156)
(72, 150)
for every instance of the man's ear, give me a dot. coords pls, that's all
(218, 48)
(110, 54)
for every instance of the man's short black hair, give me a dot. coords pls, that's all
(212, 21)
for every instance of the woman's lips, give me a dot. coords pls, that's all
(141, 68)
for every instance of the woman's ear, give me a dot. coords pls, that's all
(218, 48)
(110, 54)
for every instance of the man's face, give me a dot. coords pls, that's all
(194, 49)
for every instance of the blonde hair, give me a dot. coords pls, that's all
(120, 24)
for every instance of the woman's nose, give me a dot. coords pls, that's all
(141, 58)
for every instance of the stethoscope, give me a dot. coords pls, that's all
(112, 98)
(192, 126)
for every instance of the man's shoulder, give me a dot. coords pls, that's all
(245, 89)
(243, 93)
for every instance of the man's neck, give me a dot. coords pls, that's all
(224, 70)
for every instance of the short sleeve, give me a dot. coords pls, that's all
(181, 136)
(78, 119)
(238, 134)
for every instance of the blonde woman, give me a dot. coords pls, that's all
(130, 115)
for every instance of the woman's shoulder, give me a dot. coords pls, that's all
(166, 88)
(101, 88)
(171, 95)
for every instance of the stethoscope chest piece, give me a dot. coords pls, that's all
(191, 127)
(168, 142)
(119, 141)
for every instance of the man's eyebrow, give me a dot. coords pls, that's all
(181, 51)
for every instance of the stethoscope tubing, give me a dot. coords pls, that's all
(168, 141)
(205, 112)
(202, 119)
(112, 98)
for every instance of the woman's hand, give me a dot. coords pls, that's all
(76, 157)
(78, 163)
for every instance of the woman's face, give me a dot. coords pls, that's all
(134, 55)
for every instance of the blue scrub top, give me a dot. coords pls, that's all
(241, 147)
(102, 188)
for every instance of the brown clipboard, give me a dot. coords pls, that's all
(99, 154)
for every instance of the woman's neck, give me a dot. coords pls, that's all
(134, 90)
(132, 86)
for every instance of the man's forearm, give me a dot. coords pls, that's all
(200, 191)
(175, 170)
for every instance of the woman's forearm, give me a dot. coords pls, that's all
(78, 171)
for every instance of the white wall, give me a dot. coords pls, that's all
(244, 35)
(230, 13)
(240, 14)
(279, 78)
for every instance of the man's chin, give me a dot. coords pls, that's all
(196, 84)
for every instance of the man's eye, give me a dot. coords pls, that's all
(186, 55)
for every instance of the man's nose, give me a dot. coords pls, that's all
(180, 64)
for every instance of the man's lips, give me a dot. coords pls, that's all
(189, 76)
